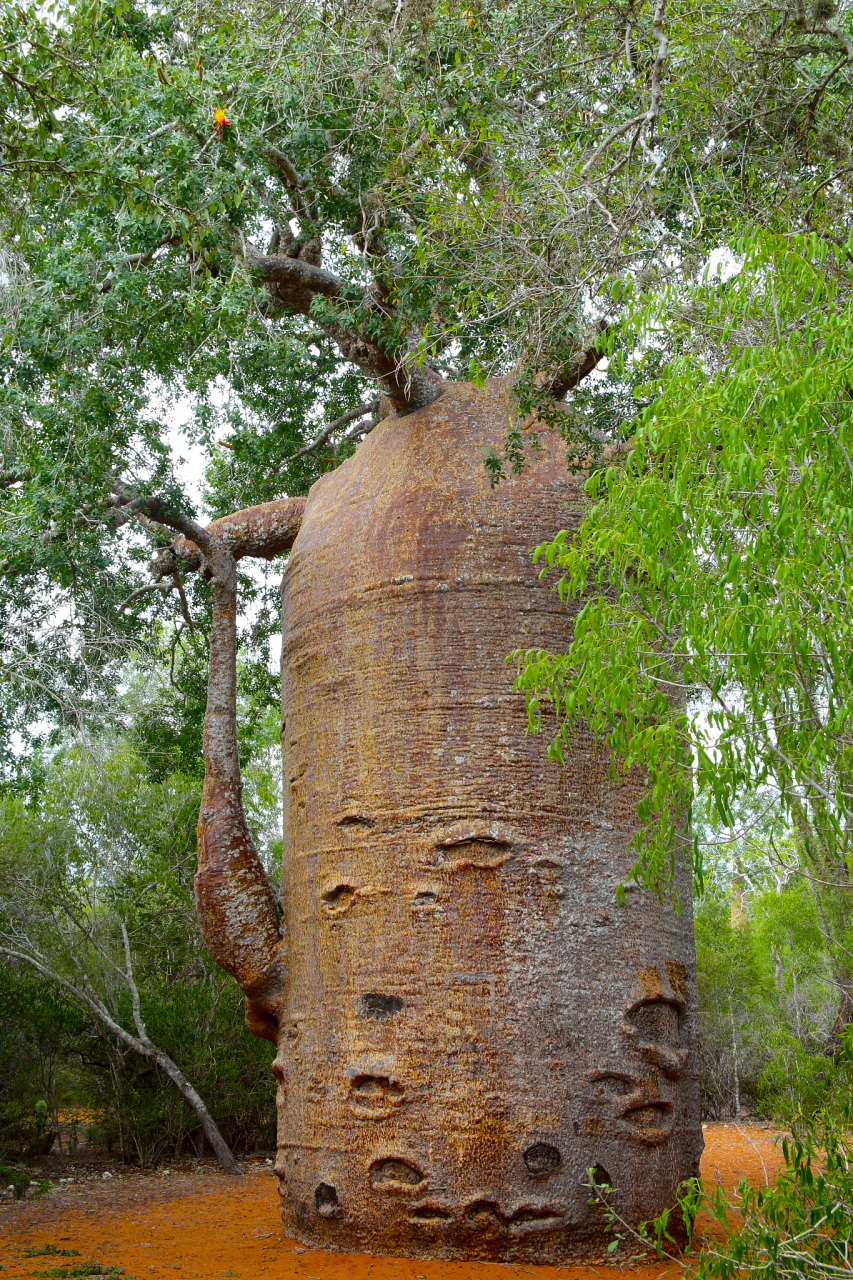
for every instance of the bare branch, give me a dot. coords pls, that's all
(163, 587)
(279, 269)
(349, 416)
(133, 260)
(132, 987)
(662, 40)
(185, 608)
(845, 42)
(291, 179)
(611, 137)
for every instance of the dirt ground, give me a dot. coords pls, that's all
(207, 1226)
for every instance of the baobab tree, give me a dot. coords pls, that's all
(369, 210)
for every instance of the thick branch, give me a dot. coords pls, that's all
(274, 268)
(563, 380)
(293, 282)
(262, 532)
(407, 389)
(236, 908)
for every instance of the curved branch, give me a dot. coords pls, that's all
(262, 532)
(81, 996)
(275, 268)
(293, 283)
(236, 909)
(350, 416)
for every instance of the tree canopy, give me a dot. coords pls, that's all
(263, 220)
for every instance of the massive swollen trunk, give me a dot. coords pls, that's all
(467, 1021)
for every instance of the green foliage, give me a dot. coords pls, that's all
(736, 1012)
(501, 177)
(39, 1031)
(51, 1251)
(104, 844)
(81, 1269)
(716, 562)
(16, 1178)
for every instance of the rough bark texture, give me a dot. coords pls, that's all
(236, 909)
(264, 531)
(469, 1022)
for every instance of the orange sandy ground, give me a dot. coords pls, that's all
(208, 1226)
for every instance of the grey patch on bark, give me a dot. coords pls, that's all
(542, 1158)
(376, 1005)
(326, 1200)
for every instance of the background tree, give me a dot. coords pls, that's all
(97, 904)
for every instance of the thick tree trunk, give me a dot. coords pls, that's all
(468, 1021)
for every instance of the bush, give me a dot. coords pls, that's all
(802, 1226)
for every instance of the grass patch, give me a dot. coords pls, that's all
(84, 1269)
(50, 1251)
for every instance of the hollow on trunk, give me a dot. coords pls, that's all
(466, 1022)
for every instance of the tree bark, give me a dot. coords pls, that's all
(237, 912)
(236, 908)
(209, 1127)
(735, 1060)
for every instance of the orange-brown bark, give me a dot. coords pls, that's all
(236, 908)
(470, 1022)
(263, 531)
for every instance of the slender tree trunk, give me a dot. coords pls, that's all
(139, 1044)
(735, 1059)
(795, 990)
(205, 1119)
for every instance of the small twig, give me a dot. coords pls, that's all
(755, 1149)
(820, 186)
(164, 128)
(611, 137)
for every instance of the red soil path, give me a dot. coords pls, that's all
(210, 1227)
